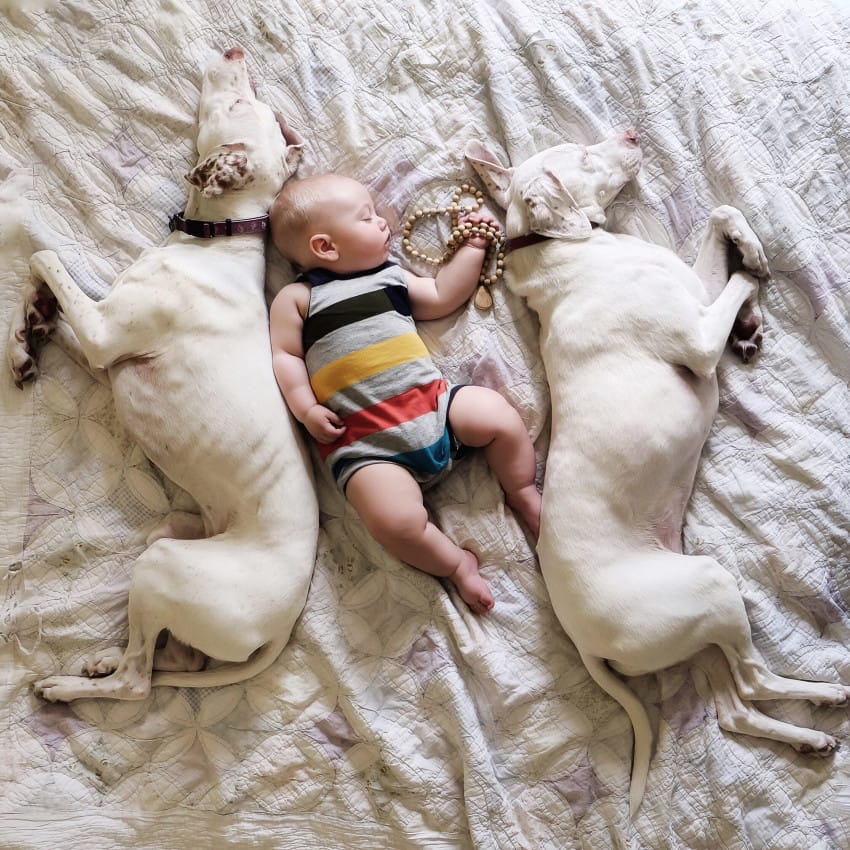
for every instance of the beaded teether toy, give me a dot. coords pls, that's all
(494, 255)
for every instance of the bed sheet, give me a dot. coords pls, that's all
(395, 718)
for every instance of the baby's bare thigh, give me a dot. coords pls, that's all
(382, 490)
(478, 415)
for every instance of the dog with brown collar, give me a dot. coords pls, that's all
(631, 338)
(182, 338)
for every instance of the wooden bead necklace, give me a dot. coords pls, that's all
(494, 256)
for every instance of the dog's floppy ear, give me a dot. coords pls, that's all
(495, 176)
(552, 210)
(225, 168)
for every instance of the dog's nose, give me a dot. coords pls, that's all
(631, 136)
(235, 53)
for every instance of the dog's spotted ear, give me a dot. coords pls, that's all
(552, 210)
(495, 176)
(224, 169)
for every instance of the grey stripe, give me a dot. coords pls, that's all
(352, 338)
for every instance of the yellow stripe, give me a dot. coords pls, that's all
(360, 364)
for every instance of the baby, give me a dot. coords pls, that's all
(354, 371)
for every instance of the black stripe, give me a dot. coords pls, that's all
(354, 309)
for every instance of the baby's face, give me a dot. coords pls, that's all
(361, 236)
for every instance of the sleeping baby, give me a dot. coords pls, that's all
(356, 374)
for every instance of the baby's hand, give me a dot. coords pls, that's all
(472, 219)
(323, 424)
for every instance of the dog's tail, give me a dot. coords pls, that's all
(225, 673)
(614, 686)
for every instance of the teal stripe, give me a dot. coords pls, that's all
(424, 462)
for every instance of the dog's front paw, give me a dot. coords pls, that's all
(37, 319)
(737, 230)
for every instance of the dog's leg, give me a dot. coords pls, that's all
(102, 341)
(729, 245)
(171, 654)
(756, 682)
(726, 625)
(129, 681)
(736, 715)
(699, 346)
(131, 677)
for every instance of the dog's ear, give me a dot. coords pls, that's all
(495, 176)
(225, 168)
(294, 145)
(552, 210)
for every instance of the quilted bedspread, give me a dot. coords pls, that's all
(395, 718)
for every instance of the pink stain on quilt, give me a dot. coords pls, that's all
(123, 158)
(334, 735)
(581, 788)
(425, 658)
(684, 711)
(53, 724)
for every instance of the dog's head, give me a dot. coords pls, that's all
(559, 191)
(242, 144)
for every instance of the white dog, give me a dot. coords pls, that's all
(183, 337)
(631, 338)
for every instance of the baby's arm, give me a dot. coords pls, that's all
(286, 323)
(433, 298)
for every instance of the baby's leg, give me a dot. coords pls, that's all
(481, 417)
(389, 501)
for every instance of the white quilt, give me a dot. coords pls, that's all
(395, 718)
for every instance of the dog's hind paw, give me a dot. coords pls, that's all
(37, 319)
(58, 688)
(824, 747)
(103, 663)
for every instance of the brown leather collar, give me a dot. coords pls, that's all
(209, 229)
(531, 239)
(524, 241)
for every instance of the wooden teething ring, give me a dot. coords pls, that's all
(494, 256)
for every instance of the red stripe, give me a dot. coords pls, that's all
(387, 414)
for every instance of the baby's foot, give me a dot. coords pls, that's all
(526, 502)
(472, 588)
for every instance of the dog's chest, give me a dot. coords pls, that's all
(193, 291)
(611, 290)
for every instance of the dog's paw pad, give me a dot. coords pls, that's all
(745, 349)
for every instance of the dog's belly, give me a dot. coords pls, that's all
(627, 433)
(209, 415)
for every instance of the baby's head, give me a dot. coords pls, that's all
(329, 221)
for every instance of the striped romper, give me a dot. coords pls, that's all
(367, 363)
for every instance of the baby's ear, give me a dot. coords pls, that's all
(323, 248)
(224, 169)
